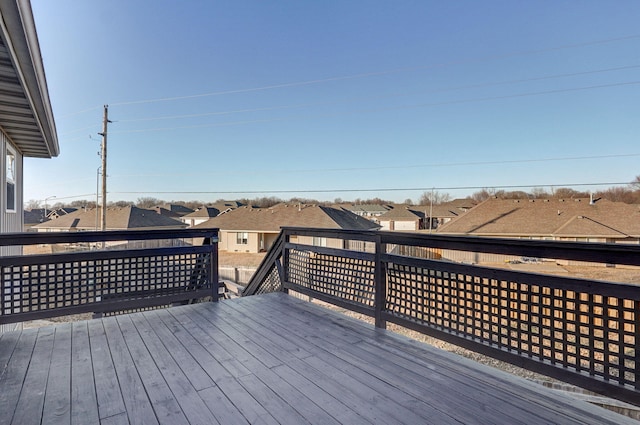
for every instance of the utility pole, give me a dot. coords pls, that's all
(431, 212)
(105, 121)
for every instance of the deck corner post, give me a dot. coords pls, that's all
(637, 349)
(214, 273)
(284, 275)
(379, 285)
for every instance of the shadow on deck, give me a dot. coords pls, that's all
(263, 359)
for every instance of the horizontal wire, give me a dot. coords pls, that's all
(402, 107)
(408, 189)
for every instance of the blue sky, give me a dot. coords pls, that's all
(338, 99)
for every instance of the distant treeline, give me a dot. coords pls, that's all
(629, 194)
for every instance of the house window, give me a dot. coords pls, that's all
(242, 238)
(11, 181)
(319, 241)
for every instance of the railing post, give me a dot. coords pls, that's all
(214, 273)
(636, 362)
(285, 261)
(380, 286)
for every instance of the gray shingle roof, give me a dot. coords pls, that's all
(402, 214)
(126, 218)
(207, 212)
(272, 219)
(34, 216)
(548, 217)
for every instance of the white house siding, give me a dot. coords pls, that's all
(386, 225)
(229, 241)
(405, 225)
(475, 257)
(10, 221)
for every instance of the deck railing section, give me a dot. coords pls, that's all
(113, 278)
(584, 332)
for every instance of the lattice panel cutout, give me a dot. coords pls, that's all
(588, 333)
(272, 283)
(345, 278)
(39, 287)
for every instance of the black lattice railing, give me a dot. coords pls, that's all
(322, 271)
(581, 331)
(40, 286)
(555, 321)
(271, 283)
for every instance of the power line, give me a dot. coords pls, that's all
(401, 107)
(369, 74)
(406, 189)
(378, 73)
(402, 167)
(413, 93)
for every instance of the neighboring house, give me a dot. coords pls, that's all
(581, 220)
(32, 217)
(200, 215)
(27, 127)
(165, 212)
(403, 218)
(177, 209)
(441, 214)
(366, 210)
(59, 212)
(411, 218)
(226, 205)
(248, 229)
(126, 218)
(460, 205)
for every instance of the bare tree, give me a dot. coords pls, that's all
(540, 193)
(482, 195)
(32, 204)
(120, 204)
(148, 202)
(516, 194)
(435, 197)
(620, 194)
(567, 193)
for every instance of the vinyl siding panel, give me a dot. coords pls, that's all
(10, 221)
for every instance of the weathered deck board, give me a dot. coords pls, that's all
(110, 402)
(396, 406)
(258, 360)
(84, 401)
(165, 404)
(138, 406)
(31, 401)
(57, 402)
(13, 369)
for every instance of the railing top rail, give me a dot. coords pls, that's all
(580, 251)
(33, 238)
(364, 235)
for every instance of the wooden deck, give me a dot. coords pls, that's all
(262, 359)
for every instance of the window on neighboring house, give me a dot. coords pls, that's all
(11, 181)
(242, 238)
(319, 241)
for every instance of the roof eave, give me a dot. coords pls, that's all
(18, 32)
